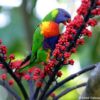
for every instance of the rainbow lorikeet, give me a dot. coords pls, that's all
(46, 36)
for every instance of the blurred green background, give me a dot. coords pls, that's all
(18, 20)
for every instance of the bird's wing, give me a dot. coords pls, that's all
(37, 42)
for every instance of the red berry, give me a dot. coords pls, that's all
(65, 61)
(27, 77)
(36, 72)
(67, 43)
(39, 84)
(3, 49)
(60, 55)
(63, 48)
(3, 76)
(5, 57)
(73, 31)
(1, 66)
(70, 37)
(81, 41)
(43, 63)
(50, 72)
(12, 56)
(66, 55)
(77, 42)
(11, 82)
(46, 69)
(42, 75)
(54, 60)
(71, 61)
(35, 78)
(0, 41)
(59, 74)
(73, 50)
(52, 95)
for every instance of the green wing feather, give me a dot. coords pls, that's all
(37, 42)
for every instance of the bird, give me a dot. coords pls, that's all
(45, 37)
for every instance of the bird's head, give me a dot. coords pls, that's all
(62, 17)
(58, 15)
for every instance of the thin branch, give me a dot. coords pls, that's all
(31, 88)
(68, 90)
(36, 94)
(69, 78)
(15, 78)
(10, 90)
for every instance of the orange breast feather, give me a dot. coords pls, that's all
(49, 29)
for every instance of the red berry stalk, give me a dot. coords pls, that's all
(72, 38)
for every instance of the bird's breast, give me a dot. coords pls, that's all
(49, 29)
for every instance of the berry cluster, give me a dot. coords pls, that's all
(73, 36)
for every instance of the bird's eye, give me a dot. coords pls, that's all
(65, 15)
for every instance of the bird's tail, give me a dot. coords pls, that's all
(28, 66)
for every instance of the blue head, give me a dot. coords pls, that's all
(62, 16)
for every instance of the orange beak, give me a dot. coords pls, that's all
(65, 22)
